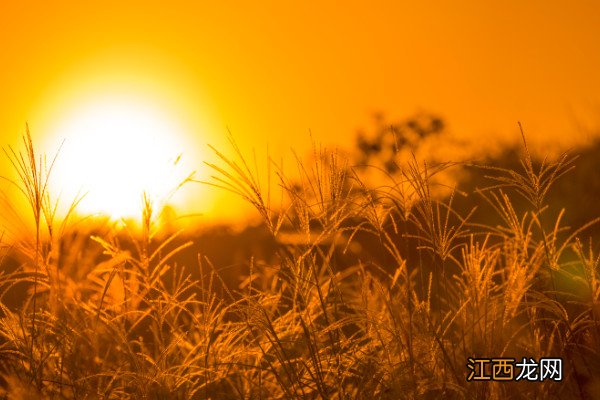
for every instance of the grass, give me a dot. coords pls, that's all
(111, 314)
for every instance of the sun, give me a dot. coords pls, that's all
(114, 150)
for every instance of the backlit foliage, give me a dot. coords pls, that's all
(371, 292)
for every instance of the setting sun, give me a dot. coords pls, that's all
(115, 149)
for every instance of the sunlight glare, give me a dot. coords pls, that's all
(114, 150)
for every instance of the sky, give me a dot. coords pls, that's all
(271, 72)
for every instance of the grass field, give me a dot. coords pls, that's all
(368, 291)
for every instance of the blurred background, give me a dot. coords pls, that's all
(273, 74)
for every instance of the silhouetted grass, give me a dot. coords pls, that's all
(109, 313)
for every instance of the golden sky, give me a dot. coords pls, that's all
(272, 71)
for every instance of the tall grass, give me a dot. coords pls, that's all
(375, 292)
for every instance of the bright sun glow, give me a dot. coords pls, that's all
(114, 150)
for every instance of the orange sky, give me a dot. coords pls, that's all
(272, 71)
